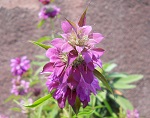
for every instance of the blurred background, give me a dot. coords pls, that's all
(125, 25)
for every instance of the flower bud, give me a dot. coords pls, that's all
(45, 2)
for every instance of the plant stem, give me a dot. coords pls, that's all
(70, 112)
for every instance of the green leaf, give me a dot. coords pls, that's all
(12, 97)
(45, 38)
(119, 85)
(117, 75)
(39, 101)
(86, 111)
(102, 78)
(40, 24)
(40, 57)
(16, 109)
(82, 19)
(76, 106)
(109, 67)
(123, 102)
(41, 45)
(130, 79)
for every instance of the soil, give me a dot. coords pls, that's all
(124, 23)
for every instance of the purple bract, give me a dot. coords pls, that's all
(19, 65)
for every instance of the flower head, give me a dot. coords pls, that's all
(49, 11)
(20, 87)
(73, 59)
(45, 2)
(133, 114)
(19, 65)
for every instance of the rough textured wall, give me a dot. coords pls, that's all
(124, 23)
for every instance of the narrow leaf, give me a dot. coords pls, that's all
(130, 79)
(39, 101)
(82, 20)
(40, 24)
(76, 106)
(109, 67)
(102, 78)
(117, 75)
(45, 38)
(119, 85)
(123, 102)
(41, 45)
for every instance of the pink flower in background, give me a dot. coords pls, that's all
(26, 102)
(20, 65)
(133, 114)
(3, 116)
(45, 2)
(20, 87)
(73, 59)
(49, 11)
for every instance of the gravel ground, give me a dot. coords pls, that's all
(124, 23)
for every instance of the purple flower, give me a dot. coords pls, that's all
(133, 114)
(49, 11)
(73, 59)
(19, 65)
(45, 2)
(20, 87)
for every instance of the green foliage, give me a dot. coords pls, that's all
(41, 23)
(41, 45)
(102, 79)
(39, 101)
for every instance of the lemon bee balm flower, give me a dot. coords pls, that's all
(73, 59)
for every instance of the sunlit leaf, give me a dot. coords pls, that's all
(39, 101)
(130, 79)
(102, 79)
(119, 85)
(40, 24)
(41, 45)
(109, 67)
(45, 38)
(117, 75)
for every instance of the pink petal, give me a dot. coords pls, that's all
(66, 47)
(95, 37)
(66, 27)
(57, 42)
(85, 30)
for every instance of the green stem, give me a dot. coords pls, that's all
(70, 112)
(52, 26)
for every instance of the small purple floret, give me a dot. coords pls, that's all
(133, 114)
(19, 87)
(19, 65)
